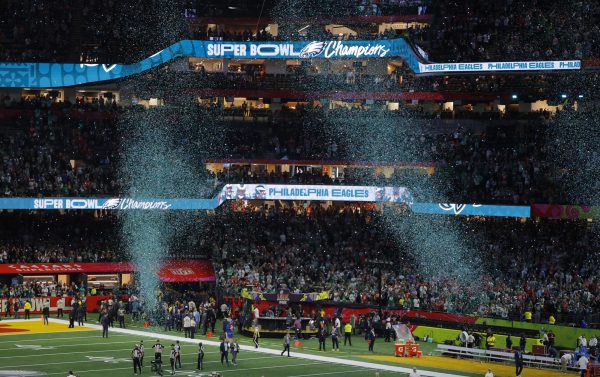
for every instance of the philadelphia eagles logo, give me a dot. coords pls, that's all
(456, 208)
(111, 203)
(312, 49)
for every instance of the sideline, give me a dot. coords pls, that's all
(269, 351)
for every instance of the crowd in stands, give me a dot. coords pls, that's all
(541, 267)
(52, 150)
(48, 238)
(478, 30)
(36, 30)
(101, 31)
(307, 249)
(69, 150)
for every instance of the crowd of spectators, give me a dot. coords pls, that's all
(530, 267)
(477, 30)
(102, 31)
(36, 30)
(53, 150)
(50, 238)
(543, 267)
(69, 150)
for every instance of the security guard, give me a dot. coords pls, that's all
(136, 356)
(348, 334)
(27, 308)
(490, 341)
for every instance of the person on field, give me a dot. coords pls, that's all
(46, 313)
(286, 344)
(200, 356)
(136, 357)
(105, 323)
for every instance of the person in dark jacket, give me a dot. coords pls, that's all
(522, 342)
(224, 348)
(509, 342)
(518, 362)
(105, 322)
(80, 315)
(322, 336)
(46, 313)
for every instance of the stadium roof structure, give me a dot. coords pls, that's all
(55, 75)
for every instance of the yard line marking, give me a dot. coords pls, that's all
(62, 353)
(324, 359)
(101, 361)
(52, 339)
(179, 371)
(341, 372)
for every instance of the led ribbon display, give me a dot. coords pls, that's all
(55, 75)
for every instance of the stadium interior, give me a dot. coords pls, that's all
(420, 176)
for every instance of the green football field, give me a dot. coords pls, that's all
(87, 354)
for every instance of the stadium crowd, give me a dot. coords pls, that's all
(313, 248)
(478, 30)
(68, 150)
(474, 30)
(308, 249)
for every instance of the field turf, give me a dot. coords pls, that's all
(55, 350)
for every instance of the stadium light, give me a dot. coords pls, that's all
(563, 96)
(580, 96)
(514, 96)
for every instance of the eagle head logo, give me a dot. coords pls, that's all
(312, 49)
(111, 203)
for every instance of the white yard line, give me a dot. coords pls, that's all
(72, 337)
(101, 361)
(62, 353)
(166, 371)
(132, 342)
(323, 359)
(327, 373)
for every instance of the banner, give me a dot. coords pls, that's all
(285, 296)
(53, 75)
(170, 271)
(559, 211)
(470, 209)
(106, 203)
(187, 271)
(314, 192)
(516, 66)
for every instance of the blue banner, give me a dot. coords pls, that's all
(54, 75)
(393, 195)
(106, 203)
(545, 65)
(471, 209)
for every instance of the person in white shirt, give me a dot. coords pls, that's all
(470, 341)
(489, 373)
(565, 360)
(582, 363)
(187, 323)
(582, 341)
(414, 373)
